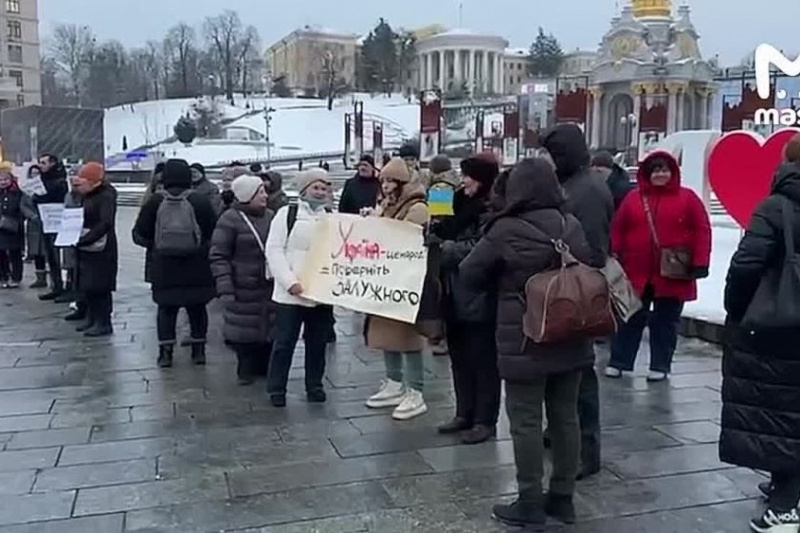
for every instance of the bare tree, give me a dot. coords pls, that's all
(180, 44)
(328, 67)
(71, 46)
(224, 36)
(154, 66)
(248, 48)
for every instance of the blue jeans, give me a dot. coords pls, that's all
(406, 365)
(662, 321)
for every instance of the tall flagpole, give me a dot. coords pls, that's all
(460, 14)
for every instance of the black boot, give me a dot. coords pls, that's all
(41, 280)
(65, 297)
(101, 319)
(77, 314)
(101, 328)
(199, 353)
(527, 513)
(165, 355)
(590, 459)
(51, 296)
(560, 507)
(244, 367)
(456, 425)
(90, 318)
(479, 433)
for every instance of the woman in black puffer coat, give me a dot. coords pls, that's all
(469, 313)
(517, 243)
(238, 263)
(761, 368)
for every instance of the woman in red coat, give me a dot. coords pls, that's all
(662, 237)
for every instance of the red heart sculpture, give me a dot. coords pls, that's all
(741, 166)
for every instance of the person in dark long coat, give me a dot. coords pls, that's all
(516, 244)
(183, 281)
(15, 208)
(760, 366)
(96, 251)
(238, 263)
(54, 178)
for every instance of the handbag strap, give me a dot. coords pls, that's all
(250, 225)
(650, 220)
(787, 212)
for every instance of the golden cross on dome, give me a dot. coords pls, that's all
(651, 8)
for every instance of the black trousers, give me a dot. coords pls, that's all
(785, 492)
(11, 265)
(167, 321)
(315, 322)
(253, 359)
(99, 306)
(559, 394)
(473, 359)
(51, 261)
(589, 417)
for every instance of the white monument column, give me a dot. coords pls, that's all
(597, 94)
(672, 107)
(637, 112)
(459, 74)
(472, 63)
(500, 73)
(485, 71)
(440, 70)
(681, 98)
(428, 71)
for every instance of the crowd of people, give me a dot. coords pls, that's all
(247, 245)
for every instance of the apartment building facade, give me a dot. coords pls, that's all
(20, 69)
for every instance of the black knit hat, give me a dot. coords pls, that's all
(482, 167)
(366, 158)
(603, 160)
(409, 150)
(440, 163)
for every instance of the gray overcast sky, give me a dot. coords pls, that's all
(731, 28)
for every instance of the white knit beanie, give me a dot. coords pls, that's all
(306, 178)
(245, 187)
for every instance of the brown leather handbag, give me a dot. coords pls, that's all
(676, 261)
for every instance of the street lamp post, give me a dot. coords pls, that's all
(267, 118)
(629, 122)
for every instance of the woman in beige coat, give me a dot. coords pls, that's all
(403, 199)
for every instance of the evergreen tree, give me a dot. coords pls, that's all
(380, 60)
(185, 130)
(546, 55)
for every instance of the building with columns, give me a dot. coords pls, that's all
(451, 58)
(649, 78)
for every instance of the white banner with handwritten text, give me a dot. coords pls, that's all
(371, 265)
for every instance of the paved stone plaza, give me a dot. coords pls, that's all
(95, 439)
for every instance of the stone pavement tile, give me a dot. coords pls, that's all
(49, 437)
(106, 452)
(316, 430)
(382, 421)
(666, 461)
(416, 490)
(144, 413)
(25, 423)
(91, 524)
(624, 440)
(160, 493)
(701, 432)
(158, 397)
(139, 430)
(95, 475)
(746, 481)
(11, 461)
(36, 507)
(8, 360)
(487, 454)
(264, 510)
(658, 494)
(445, 518)
(24, 403)
(90, 418)
(264, 480)
(207, 455)
(32, 378)
(721, 518)
(16, 482)
(397, 441)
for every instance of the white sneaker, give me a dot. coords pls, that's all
(391, 394)
(774, 522)
(655, 377)
(413, 405)
(613, 373)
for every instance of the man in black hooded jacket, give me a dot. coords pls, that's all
(590, 200)
(54, 178)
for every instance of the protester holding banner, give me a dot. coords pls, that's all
(238, 262)
(518, 243)
(54, 179)
(15, 208)
(287, 247)
(470, 313)
(97, 255)
(401, 343)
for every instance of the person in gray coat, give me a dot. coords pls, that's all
(238, 262)
(590, 200)
(205, 187)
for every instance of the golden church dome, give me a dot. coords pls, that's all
(651, 8)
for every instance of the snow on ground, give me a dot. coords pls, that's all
(709, 304)
(299, 126)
